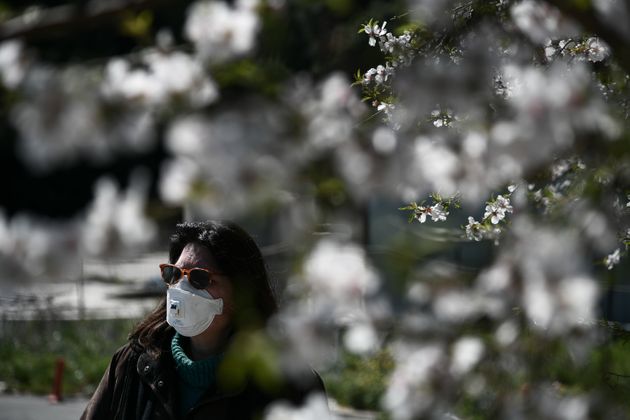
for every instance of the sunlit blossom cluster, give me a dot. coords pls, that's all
(164, 78)
(542, 112)
(398, 48)
(592, 49)
(221, 31)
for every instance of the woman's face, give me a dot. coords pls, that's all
(196, 255)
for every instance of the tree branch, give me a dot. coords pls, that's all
(40, 23)
(591, 22)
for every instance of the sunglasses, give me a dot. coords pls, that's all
(200, 278)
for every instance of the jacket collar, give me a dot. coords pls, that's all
(160, 375)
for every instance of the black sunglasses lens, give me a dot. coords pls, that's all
(200, 279)
(170, 274)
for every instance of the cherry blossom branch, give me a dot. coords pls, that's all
(590, 21)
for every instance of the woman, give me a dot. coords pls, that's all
(201, 353)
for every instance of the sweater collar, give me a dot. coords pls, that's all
(199, 373)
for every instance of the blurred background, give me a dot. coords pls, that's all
(120, 119)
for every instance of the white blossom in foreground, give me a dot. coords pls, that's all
(115, 220)
(473, 230)
(315, 408)
(558, 295)
(168, 77)
(597, 50)
(339, 272)
(593, 49)
(467, 352)
(221, 31)
(409, 393)
(497, 209)
(361, 338)
(437, 212)
(374, 32)
(331, 112)
(61, 117)
(12, 63)
(226, 163)
(540, 21)
(31, 247)
(613, 259)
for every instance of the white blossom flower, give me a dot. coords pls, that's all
(467, 351)
(421, 213)
(597, 49)
(339, 271)
(361, 338)
(220, 31)
(407, 394)
(115, 221)
(383, 73)
(613, 259)
(375, 31)
(34, 247)
(503, 204)
(474, 230)
(368, 76)
(540, 21)
(497, 209)
(437, 212)
(12, 63)
(388, 110)
(167, 77)
(384, 140)
(61, 117)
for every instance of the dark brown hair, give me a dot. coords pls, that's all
(238, 257)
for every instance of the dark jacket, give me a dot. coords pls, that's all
(139, 386)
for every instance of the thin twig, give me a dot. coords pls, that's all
(40, 22)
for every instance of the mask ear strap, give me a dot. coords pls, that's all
(217, 305)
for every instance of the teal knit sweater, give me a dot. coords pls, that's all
(195, 377)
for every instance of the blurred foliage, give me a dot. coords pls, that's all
(29, 350)
(359, 381)
(568, 370)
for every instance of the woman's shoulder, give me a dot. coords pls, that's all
(123, 356)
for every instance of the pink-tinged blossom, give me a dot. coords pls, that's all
(374, 32)
(421, 213)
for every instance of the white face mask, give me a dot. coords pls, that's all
(190, 311)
